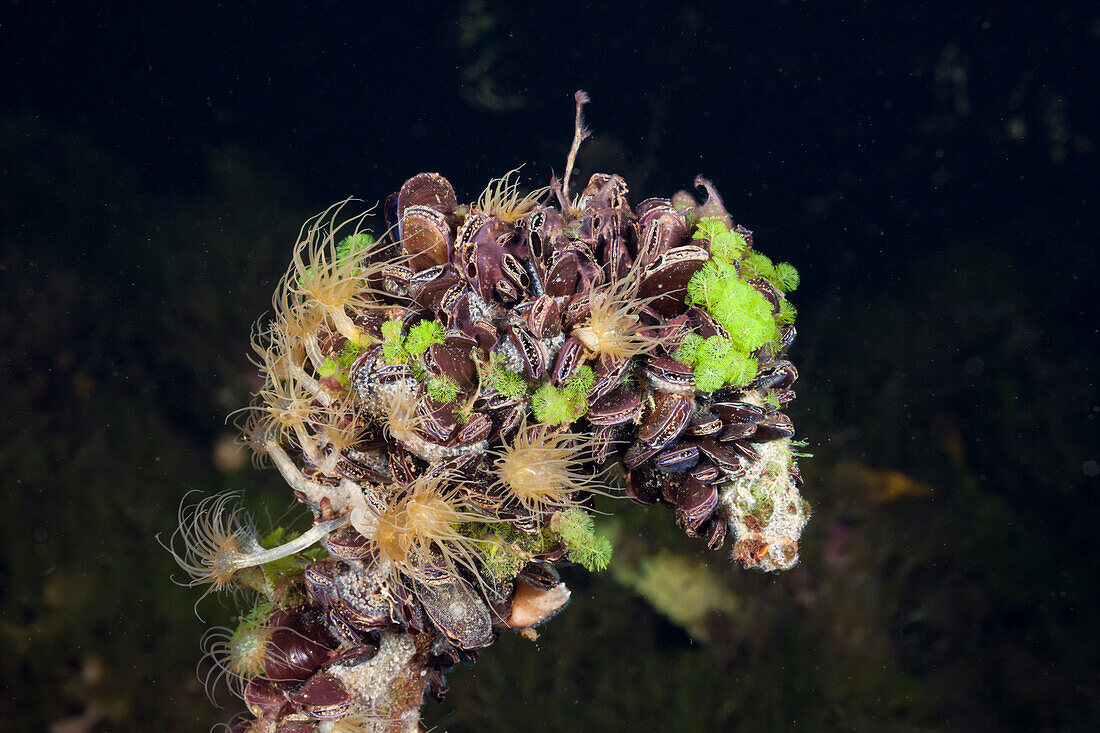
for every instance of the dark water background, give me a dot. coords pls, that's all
(931, 168)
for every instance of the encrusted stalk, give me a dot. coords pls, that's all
(388, 690)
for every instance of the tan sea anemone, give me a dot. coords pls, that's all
(219, 540)
(419, 533)
(614, 327)
(544, 469)
(501, 198)
(237, 655)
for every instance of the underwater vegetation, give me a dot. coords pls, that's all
(448, 397)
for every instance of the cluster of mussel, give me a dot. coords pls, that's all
(491, 361)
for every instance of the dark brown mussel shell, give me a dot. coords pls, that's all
(787, 336)
(727, 456)
(605, 439)
(430, 286)
(737, 431)
(662, 228)
(485, 268)
(323, 696)
(668, 418)
(577, 310)
(363, 601)
(638, 454)
(695, 500)
(453, 362)
(654, 205)
(425, 237)
(664, 282)
(544, 317)
(402, 465)
(437, 421)
(341, 627)
(738, 412)
(263, 697)
(408, 607)
(544, 228)
(296, 726)
(769, 291)
(478, 427)
(644, 486)
(774, 427)
(705, 324)
(464, 237)
(704, 423)
(564, 276)
(780, 375)
(621, 405)
(668, 375)
(321, 574)
(609, 374)
(292, 656)
(570, 357)
(531, 351)
(364, 652)
(715, 531)
(427, 189)
(706, 471)
(678, 458)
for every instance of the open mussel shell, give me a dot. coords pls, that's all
(774, 427)
(679, 458)
(539, 574)
(362, 598)
(669, 417)
(425, 237)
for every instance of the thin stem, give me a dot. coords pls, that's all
(579, 134)
(296, 545)
(313, 351)
(314, 387)
(286, 467)
(343, 323)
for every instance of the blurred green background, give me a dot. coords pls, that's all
(932, 173)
